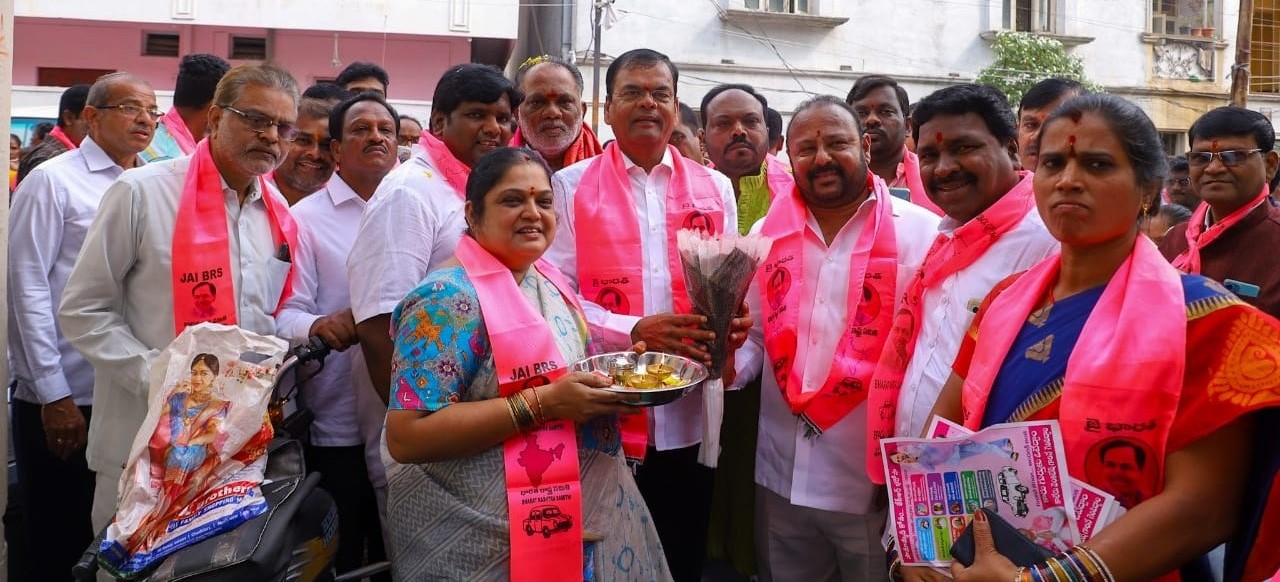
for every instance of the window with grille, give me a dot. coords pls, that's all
(248, 48)
(159, 44)
(783, 6)
(1264, 56)
(1185, 18)
(1029, 15)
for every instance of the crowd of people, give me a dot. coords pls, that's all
(959, 256)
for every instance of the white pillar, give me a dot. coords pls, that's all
(6, 102)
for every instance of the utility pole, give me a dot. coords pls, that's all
(597, 12)
(1240, 70)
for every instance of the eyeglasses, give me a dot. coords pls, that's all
(1184, 182)
(134, 110)
(1230, 158)
(659, 96)
(259, 123)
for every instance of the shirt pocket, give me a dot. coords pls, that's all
(277, 277)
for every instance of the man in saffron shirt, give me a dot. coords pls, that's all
(550, 117)
(129, 292)
(414, 220)
(617, 214)
(823, 301)
(188, 121)
(1231, 233)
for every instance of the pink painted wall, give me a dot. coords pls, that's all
(414, 63)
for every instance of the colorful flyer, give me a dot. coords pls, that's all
(1094, 508)
(1018, 470)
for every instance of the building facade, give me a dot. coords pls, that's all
(1172, 57)
(63, 42)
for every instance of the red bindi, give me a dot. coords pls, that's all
(1071, 143)
(938, 138)
(1214, 146)
(553, 95)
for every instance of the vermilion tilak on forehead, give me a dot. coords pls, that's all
(938, 138)
(553, 95)
(1214, 145)
(1071, 143)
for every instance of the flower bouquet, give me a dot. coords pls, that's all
(717, 271)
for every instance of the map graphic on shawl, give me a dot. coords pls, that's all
(535, 459)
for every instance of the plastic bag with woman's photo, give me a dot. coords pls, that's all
(196, 465)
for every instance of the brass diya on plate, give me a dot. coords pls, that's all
(650, 379)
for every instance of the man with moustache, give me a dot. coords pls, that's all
(617, 215)
(53, 384)
(551, 115)
(1228, 238)
(967, 144)
(968, 162)
(415, 219)
(364, 130)
(882, 107)
(309, 163)
(129, 294)
(736, 133)
(1037, 103)
(847, 248)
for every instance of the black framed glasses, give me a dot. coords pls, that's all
(134, 110)
(259, 123)
(1230, 158)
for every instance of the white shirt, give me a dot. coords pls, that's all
(950, 307)
(327, 223)
(48, 220)
(827, 472)
(675, 425)
(410, 226)
(117, 309)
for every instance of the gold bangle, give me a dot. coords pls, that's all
(532, 412)
(541, 413)
(511, 410)
(1097, 561)
(524, 416)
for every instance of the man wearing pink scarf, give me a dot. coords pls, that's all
(414, 220)
(188, 119)
(823, 303)
(882, 105)
(1230, 234)
(618, 214)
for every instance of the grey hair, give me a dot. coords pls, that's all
(98, 93)
(232, 85)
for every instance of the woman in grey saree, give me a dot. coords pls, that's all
(447, 495)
